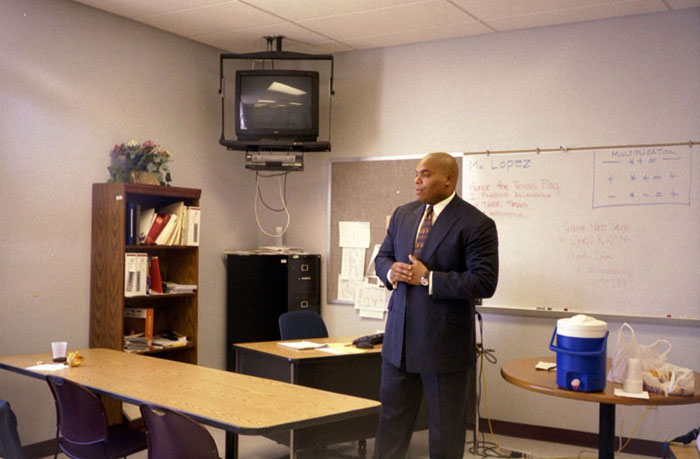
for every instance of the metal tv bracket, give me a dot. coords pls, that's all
(257, 151)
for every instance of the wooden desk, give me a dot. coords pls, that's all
(355, 372)
(522, 373)
(230, 401)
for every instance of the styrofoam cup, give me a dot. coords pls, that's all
(633, 378)
(58, 348)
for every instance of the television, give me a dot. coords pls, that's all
(279, 105)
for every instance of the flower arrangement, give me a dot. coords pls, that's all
(132, 158)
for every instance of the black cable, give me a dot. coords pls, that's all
(483, 448)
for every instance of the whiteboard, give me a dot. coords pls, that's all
(614, 231)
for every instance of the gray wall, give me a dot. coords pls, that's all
(74, 81)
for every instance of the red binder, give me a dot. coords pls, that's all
(156, 280)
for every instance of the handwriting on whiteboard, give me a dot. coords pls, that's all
(642, 176)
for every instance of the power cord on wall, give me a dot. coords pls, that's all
(283, 199)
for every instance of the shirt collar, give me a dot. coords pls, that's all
(440, 206)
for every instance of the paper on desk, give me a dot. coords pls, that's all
(302, 345)
(545, 366)
(342, 348)
(48, 367)
(621, 393)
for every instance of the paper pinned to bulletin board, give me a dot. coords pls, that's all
(356, 282)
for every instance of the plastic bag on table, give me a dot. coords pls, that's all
(652, 356)
(669, 379)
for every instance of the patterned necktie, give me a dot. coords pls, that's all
(423, 232)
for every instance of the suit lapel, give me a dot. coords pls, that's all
(440, 228)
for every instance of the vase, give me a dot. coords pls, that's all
(145, 177)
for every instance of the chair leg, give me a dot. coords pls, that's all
(362, 448)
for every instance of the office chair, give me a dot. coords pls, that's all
(10, 445)
(302, 324)
(173, 435)
(81, 424)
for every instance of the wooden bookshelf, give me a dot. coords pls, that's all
(178, 263)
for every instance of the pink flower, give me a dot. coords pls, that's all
(148, 144)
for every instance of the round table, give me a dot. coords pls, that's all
(522, 373)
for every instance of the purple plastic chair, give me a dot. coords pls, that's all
(81, 424)
(302, 324)
(173, 435)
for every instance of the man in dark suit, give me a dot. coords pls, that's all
(440, 254)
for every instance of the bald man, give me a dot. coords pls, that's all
(440, 254)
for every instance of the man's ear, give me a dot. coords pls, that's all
(450, 181)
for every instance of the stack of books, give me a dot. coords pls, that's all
(138, 342)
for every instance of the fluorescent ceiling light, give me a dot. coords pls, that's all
(281, 87)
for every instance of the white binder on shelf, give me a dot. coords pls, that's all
(135, 274)
(191, 226)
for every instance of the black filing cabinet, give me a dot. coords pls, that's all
(260, 287)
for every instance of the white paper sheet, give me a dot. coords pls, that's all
(346, 288)
(370, 266)
(302, 345)
(48, 367)
(353, 234)
(353, 263)
(370, 297)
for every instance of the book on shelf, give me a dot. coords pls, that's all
(146, 218)
(165, 237)
(131, 223)
(190, 226)
(172, 287)
(156, 280)
(178, 210)
(158, 224)
(135, 274)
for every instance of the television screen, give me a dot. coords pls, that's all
(276, 104)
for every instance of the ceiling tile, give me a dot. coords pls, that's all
(141, 8)
(506, 8)
(581, 14)
(309, 9)
(414, 36)
(398, 19)
(213, 18)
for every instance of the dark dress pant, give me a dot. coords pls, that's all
(401, 395)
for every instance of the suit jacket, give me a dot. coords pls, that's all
(436, 331)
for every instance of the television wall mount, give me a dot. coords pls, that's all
(274, 145)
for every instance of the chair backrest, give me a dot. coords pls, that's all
(80, 415)
(173, 435)
(10, 445)
(302, 324)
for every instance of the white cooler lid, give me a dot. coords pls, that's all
(581, 326)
